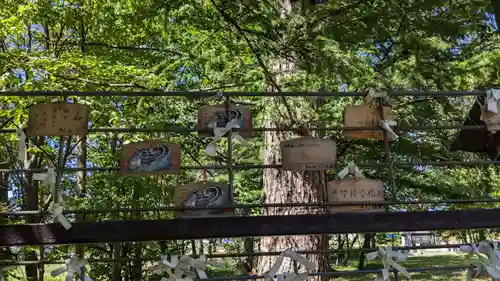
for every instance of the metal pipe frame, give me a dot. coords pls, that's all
(251, 206)
(233, 226)
(185, 130)
(236, 255)
(257, 166)
(235, 94)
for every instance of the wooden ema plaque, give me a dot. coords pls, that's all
(202, 194)
(355, 190)
(308, 154)
(150, 158)
(365, 116)
(57, 119)
(216, 115)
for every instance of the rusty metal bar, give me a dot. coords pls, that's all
(234, 94)
(219, 227)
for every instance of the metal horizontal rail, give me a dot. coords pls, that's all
(259, 166)
(185, 130)
(341, 273)
(251, 206)
(233, 226)
(235, 255)
(235, 94)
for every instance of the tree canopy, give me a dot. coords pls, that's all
(247, 46)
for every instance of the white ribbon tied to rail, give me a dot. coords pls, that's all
(22, 155)
(389, 258)
(211, 149)
(492, 98)
(351, 169)
(177, 267)
(56, 210)
(488, 256)
(72, 266)
(269, 275)
(384, 124)
(5, 269)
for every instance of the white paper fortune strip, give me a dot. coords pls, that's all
(56, 210)
(211, 149)
(22, 155)
(488, 256)
(269, 275)
(351, 169)
(72, 266)
(185, 265)
(492, 98)
(389, 258)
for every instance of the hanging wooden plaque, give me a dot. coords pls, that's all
(308, 154)
(365, 116)
(57, 119)
(202, 194)
(217, 115)
(355, 190)
(150, 158)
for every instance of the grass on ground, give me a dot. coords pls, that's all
(411, 262)
(418, 262)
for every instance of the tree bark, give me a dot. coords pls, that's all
(290, 187)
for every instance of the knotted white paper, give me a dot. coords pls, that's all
(56, 211)
(351, 169)
(72, 266)
(48, 178)
(386, 125)
(5, 269)
(269, 275)
(211, 149)
(492, 98)
(177, 267)
(389, 258)
(22, 155)
(488, 258)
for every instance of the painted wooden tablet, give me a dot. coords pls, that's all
(150, 158)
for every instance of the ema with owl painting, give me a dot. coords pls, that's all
(219, 119)
(218, 116)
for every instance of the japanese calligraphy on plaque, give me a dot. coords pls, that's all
(58, 119)
(150, 158)
(218, 116)
(365, 116)
(355, 190)
(308, 154)
(198, 195)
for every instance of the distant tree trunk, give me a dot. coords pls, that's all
(287, 187)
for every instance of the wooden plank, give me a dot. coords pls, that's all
(219, 227)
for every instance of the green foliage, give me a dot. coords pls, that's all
(129, 45)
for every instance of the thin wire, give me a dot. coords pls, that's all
(268, 205)
(238, 255)
(233, 94)
(185, 130)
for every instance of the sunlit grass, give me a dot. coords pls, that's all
(419, 262)
(411, 262)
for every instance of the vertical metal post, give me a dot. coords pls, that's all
(396, 277)
(230, 154)
(387, 151)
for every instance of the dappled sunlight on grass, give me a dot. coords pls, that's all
(417, 262)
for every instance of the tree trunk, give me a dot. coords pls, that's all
(286, 186)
